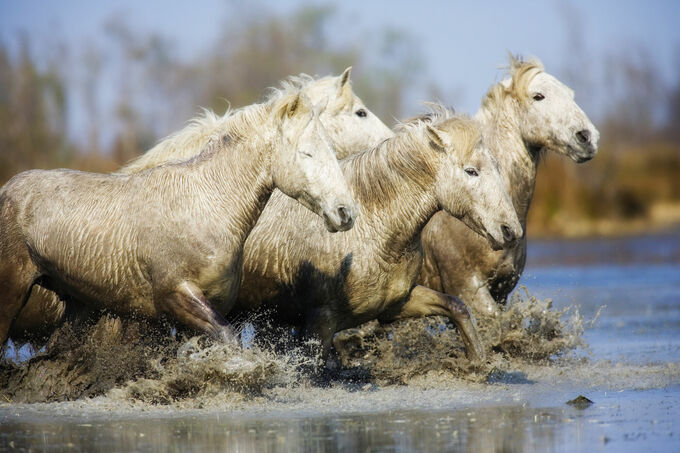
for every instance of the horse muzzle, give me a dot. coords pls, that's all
(340, 218)
(585, 145)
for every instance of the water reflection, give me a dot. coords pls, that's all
(501, 428)
(481, 429)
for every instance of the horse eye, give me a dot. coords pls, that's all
(471, 171)
(361, 113)
(305, 153)
(538, 97)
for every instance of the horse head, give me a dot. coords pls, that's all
(469, 185)
(305, 167)
(547, 115)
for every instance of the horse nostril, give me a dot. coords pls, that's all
(583, 136)
(344, 215)
(508, 235)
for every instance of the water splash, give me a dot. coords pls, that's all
(139, 363)
(527, 331)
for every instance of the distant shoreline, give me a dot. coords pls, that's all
(662, 218)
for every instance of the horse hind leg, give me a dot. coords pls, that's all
(17, 276)
(43, 312)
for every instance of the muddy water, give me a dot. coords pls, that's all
(401, 388)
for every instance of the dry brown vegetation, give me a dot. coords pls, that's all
(623, 190)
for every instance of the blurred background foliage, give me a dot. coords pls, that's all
(150, 91)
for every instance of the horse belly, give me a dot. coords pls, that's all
(95, 289)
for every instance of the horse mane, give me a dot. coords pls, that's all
(295, 83)
(436, 111)
(378, 175)
(521, 73)
(209, 127)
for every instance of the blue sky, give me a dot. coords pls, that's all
(463, 43)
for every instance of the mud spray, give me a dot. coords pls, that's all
(140, 364)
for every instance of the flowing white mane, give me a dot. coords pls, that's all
(521, 73)
(377, 175)
(209, 126)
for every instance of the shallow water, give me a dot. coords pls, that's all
(619, 421)
(632, 374)
(638, 280)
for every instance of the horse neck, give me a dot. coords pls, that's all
(234, 181)
(517, 162)
(394, 184)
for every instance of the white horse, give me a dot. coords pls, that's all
(522, 117)
(168, 240)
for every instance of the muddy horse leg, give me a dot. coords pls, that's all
(188, 305)
(16, 279)
(426, 302)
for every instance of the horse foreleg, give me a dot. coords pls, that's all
(474, 291)
(188, 305)
(424, 301)
(319, 324)
(430, 275)
(482, 301)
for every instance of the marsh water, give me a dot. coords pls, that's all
(629, 368)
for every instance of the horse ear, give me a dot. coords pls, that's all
(344, 86)
(344, 78)
(436, 140)
(298, 105)
(304, 105)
